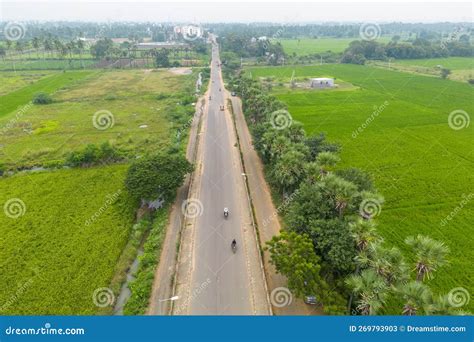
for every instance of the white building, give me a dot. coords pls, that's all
(322, 82)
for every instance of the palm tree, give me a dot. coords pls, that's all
(430, 254)
(341, 191)
(388, 263)
(326, 160)
(35, 43)
(364, 233)
(415, 295)
(47, 44)
(289, 170)
(371, 290)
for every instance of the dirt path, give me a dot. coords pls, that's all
(163, 281)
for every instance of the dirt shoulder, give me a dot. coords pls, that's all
(267, 220)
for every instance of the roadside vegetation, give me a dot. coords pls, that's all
(331, 214)
(67, 171)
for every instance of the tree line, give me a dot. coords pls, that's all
(360, 51)
(330, 247)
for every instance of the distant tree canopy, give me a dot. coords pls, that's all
(360, 50)
(156, 176)
(162, 59)
(101, 47)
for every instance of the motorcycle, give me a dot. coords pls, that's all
(226, 212)
(233, 245)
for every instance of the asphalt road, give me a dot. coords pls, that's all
(220, 279)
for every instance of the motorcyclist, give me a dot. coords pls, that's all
(234, 243)
(226, 211)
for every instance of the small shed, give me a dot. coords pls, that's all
(322, 82)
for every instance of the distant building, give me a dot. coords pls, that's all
(322, 82)
(161, 45)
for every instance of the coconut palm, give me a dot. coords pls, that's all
(429, 254)
(416, 296)
(371, 290)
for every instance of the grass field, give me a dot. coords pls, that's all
(47, 132)
(424, 168)
(12, 100)
(51, 260)
(307, 46)
(461, 67)
(452, 63)
(11, 81)
(52, 64)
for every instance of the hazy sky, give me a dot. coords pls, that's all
(242, 11)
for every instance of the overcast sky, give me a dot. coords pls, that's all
(242, 11)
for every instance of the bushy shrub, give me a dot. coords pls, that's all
(93, 155)
(156, 176)
(42, 98)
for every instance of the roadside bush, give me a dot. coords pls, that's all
(42, 98)
(93, 155)
(156, 176)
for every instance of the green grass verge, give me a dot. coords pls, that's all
(142, 285)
